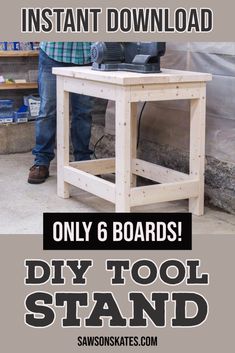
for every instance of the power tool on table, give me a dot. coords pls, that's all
(142, 57)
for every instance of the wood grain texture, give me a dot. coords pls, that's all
(88, 182)
(18, 53)
(131, 78)
(197, 149)
(62, 138)
(11, 86)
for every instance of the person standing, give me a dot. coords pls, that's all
(60, 54)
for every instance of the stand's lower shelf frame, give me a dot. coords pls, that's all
(174, 185)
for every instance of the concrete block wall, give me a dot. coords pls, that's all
(17, 138)
(165, 125)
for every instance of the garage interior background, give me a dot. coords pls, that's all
(164, 132)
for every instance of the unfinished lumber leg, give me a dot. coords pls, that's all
(133, 138)
(123, 151)
(62, 138)
(197, 150)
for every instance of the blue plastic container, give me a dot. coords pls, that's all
(6, 103)
(6, 108)
(21, 117)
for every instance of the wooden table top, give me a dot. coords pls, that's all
(132, 78)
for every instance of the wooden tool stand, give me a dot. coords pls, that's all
(126, 89)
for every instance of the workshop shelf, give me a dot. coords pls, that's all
(18, 53)
(27, 85)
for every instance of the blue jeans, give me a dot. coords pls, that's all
(46, 121)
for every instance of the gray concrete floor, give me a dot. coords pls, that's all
(22, 205)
